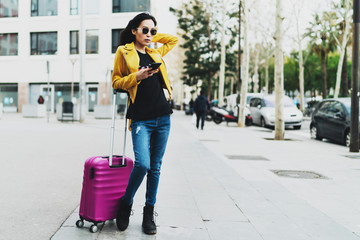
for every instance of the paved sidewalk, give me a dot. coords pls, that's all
(219, 184)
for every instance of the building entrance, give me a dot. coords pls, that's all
(92, 97)
(49, 98)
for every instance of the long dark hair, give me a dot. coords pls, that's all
(126, 35)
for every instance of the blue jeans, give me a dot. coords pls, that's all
(149, 142)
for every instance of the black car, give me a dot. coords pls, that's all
(331, 120)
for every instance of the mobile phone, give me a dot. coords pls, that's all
(154, 66)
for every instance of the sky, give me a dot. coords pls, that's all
(167, 21)
(263, 10)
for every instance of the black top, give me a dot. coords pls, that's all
(201, 104)
(150, 101)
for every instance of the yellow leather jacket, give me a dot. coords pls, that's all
(126, 64)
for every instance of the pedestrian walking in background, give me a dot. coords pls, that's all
(41, 100)
(191, 106)
(201, 107)
(149, 112)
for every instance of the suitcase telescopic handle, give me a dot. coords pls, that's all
(112, 130)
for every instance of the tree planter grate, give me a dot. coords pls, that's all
(247, 157)
(264, 130)
(352, 156)
(286, 139)
(298, 174)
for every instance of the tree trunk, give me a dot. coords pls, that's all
(342, 49)
(239, 54)
(323, 74)
(279, 74)
(256, 87)
(301, 68)
(222, 60)
(344, 76)
(244, 70)
(301, 83)
(260, 83)
(267, 77)
(209, 86)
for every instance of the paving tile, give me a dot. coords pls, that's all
(177, 201)
(134, 231)
(74, 233)
(317, 224)
(226, 230)
(182, 234)
(217, 213)
(71, 220)
(179, 218)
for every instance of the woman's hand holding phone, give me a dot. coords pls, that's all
(145, 73)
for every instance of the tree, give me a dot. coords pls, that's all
(291, 72)
(222, 59)
(266, 52)
(268, 73)
(299, 39)
(344, 78)
(320, 33)
(200, 34)
(279, 74)
(244, 67)
(342, 43)
(227, 28)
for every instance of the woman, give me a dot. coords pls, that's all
(149, 111)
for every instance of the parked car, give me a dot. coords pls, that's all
(262, 110)
(331, 120)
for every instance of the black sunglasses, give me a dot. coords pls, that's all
(145, 30)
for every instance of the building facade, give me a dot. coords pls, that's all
(40, 44)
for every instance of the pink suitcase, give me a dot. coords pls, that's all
(104, 183)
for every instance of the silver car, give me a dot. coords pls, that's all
(262, 110)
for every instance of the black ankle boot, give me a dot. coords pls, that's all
(123, 215)
(148, 224)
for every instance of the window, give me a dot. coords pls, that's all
(8, 44)
(74, 7)
(324, 107)
(63, 91)
(92, 41)
(8, 8)
(115, 39)
(91, 7)
(254, 102)
(44, 43)
(8, 95)
(43, 7)
(131, 6)
(336, 108)
(74, 42)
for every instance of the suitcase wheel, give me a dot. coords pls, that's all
(93, 228)
(80, 223)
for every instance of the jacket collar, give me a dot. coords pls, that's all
(131, 47)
